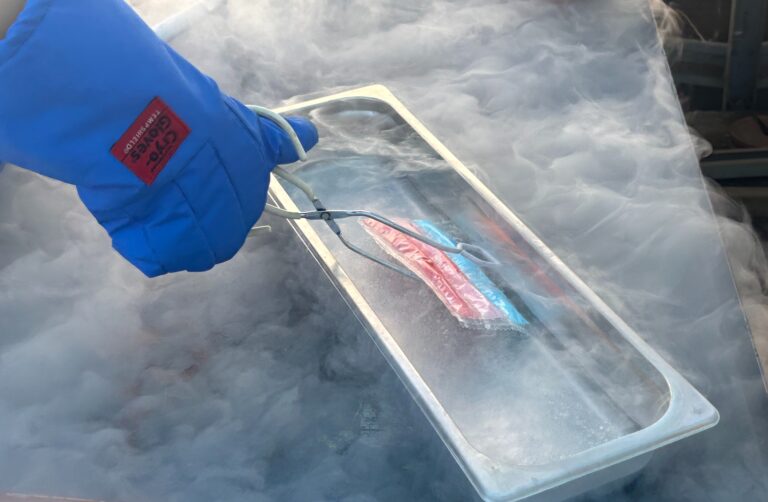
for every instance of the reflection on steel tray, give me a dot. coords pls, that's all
(576, 401)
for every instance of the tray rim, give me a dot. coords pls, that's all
(688, 412)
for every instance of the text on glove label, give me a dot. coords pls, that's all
(151, 141)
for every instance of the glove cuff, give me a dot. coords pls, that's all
(22, 29)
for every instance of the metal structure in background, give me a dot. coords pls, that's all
(745, 41)
(727, 82)
(734, 67)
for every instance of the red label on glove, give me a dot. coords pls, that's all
(148, 145)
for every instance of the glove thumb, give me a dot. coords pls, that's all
(278, 147)
(279, 142)
(305, 130)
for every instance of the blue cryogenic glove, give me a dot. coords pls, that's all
(174, 170)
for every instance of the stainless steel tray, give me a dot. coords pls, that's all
(578, 401)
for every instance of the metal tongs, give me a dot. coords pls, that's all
(329, 216)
